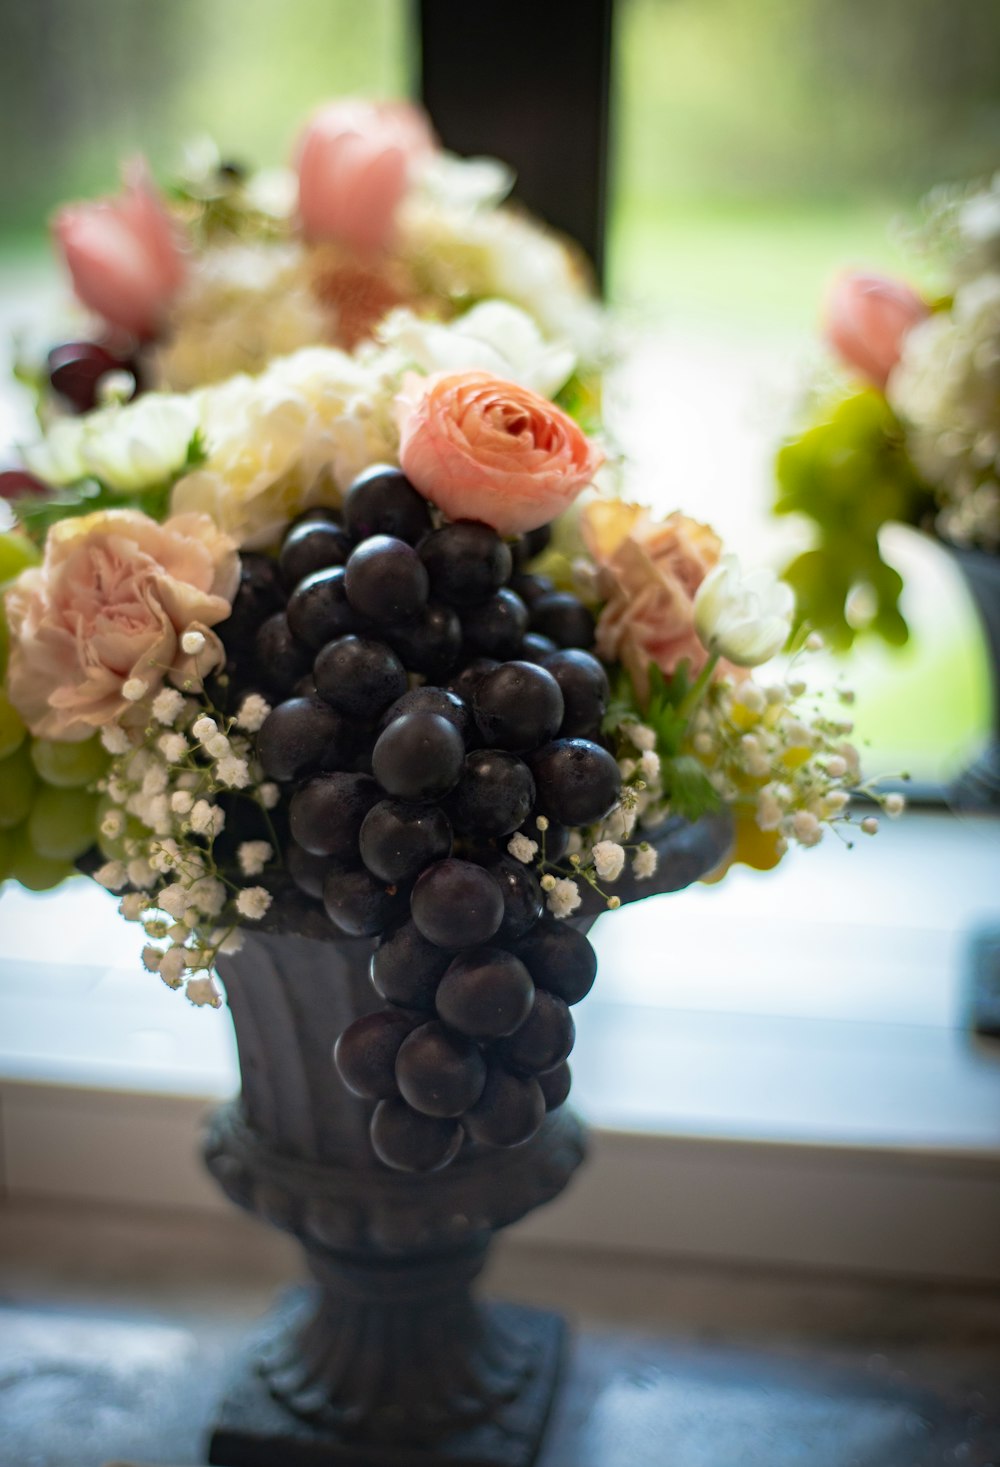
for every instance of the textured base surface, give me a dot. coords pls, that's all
(254, 1430)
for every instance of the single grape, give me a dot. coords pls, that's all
(359, 677)
(359, 905)
(578, 782)
(419, 756)
(301, 736)
(12, 729)
(466, 561)
(518, 706)
(584, 686)
(258, 596)
(18, 784)
(509, 1112)
(555, 1086)
(280, 658)
(385, 580)
(494, 795)
(326, 814)
(63, 823)
(431, 643)
(439, 1073)
(309, 872)
(559, 959)
(532, 588)
(465, 682)
(522, 895)
(496, 628)
(37, 873)
(365, 1054)
(485, 993)
(319, 611)
(75, 371)
(398, 840)
(409, 1142)
(382, 501)
(313, 546)
(432, 700)
(69, 766)
(406, 968)
(545, 1038)
(457, 904)
(536, 648)
(563, 617)
(530, 545)
(320, 514)
(17, 552)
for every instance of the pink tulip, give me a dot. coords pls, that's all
(354, 162)
(123, 254)
(867, 317)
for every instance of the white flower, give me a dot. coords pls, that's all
(113, 824)
(869, 825)
(168, 706)
(269, 794)
(204, 728)
(173, 747)
(806, 828)
(208, 895)
(640, 735)
(253, 902)
(151, 959)
(207, 819)
(155, 780)
(217, 746)
(141, 874)
(134, 688)
(744, 618)
(564, 898)
(769, 810)
(233, 772)
(172, 966)
(644, 863)
(202, 991)
(229, 942)
(132, 906)
(181, 802)
(253, 856)
(115, 739)
(253, 711)
(522, 849)
(111, 875)
(649, 766)
(894, 805)
(836, 767)
(173, 899)
(193, 642)
(609, 860)
(129, 448)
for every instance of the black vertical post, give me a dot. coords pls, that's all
(527, 81)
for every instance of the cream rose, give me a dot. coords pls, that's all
(649, 572)
(482, 448)
(107, 607)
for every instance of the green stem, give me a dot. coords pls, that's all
(696, 691)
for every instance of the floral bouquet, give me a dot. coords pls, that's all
(229, 268)
(356, 649)
(914, 436)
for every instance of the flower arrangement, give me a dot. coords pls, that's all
(914, 436)
(355, 648)
(228, 268)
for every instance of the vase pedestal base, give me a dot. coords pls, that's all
(253, 1429)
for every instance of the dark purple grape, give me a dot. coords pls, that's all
(382, 501)
(496, 628)
(554, 841)
(518, 706)
(386, 580)
(406, 968)
(466, 561)
(319, 611)
(563, 617)
(431, 643)
(530, 545)
(439, 1073)
(365, 1054)
(509, 1112)
(302, 735)
(485, 994)
(578, 782)
(398, 840)
(465, 683)
(75, 371)
(494, 795)
(432, 700)
(280, 658)
(359, 677)
(584, 686)
(320, 514)
(419, 756)
(555, 1086)
(309, 872)
(559, 959)
(306, 687)
(409, 1142)
(360, 905)
(326, 814)
(457, 904)
(545, 1038)
(532, 588)
(314, 546)
(536, 648)
(258, 596)
(522, 895)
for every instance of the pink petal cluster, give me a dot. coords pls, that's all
(867, 317)
(124, 254)
(481, 448)
(354, 163)
(648, 574)
(110, 602)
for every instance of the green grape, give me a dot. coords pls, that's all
(16, 554)
(37, 873)
(63, 823)
(4, 640)
(68, 766)
(12, 729)
(8, 842)
(18, 783)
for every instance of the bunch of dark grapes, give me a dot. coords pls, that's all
(430, 699)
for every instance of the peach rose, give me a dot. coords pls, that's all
(110, 602)
(648, 574)
(484, 449)
(354, 163)
(123, 254)
(867, 317)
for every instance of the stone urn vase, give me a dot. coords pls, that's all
(386, 1358)
(979, 786)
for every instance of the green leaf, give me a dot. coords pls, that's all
(688, 788)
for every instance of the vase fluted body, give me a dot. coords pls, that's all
(979, 785)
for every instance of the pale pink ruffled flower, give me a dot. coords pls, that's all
(866, 319)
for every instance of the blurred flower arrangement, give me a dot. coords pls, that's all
(914, 436)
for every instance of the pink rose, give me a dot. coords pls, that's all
(648, 573)
(867, 317)
(110, 602)
(124, 254)
(484, 449)
(354, 162)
